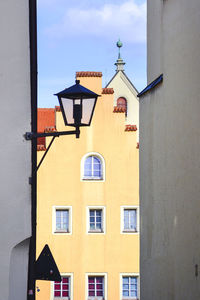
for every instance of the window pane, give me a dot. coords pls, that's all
(92, 226)
(125, 279)
(91, 286)
(91, 293)
(97, 173)
(65, 294)
(91, 279)
(57, 294)
(125, 286)
(99, 286)
(125, 293)
(133, 293)
(92, 212)
(97, 167)
(88, 160)
(99, 279)
(92, 219)
(65, 287)
(96, 160)
(133, 280)
(98, 225)
(100, 293)
(57, 286)
(98, 213)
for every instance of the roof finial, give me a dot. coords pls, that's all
(120, 64)
(119, 45)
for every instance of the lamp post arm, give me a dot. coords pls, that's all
(45, 153)
(32, 135)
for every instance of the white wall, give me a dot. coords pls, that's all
(15, 152)
(169, 156)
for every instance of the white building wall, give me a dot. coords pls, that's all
(169, 156)
(15, 152)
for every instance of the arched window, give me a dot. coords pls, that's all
(92, 167)
(121, 102)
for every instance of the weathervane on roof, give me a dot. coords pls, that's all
(120, 63)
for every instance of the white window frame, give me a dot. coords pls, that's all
(71, 275)
(96, 274)
(54, 231)
(100, 157)
(125, 231)
(88, 231)
(121, 285)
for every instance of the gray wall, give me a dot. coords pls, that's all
(15, 152)
(169, 154)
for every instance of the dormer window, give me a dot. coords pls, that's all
(122, 103)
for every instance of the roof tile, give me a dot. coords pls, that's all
(88, 74)
(107, 91)
(118, 109)
(130, 128)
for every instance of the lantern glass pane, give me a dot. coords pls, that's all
(68, 109)
(87, 108)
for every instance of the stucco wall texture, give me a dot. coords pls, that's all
(169, 154)
(59, 183)
(15, 152)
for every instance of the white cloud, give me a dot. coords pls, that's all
(126, 20)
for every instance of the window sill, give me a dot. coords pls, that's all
(93, 178)
(61, 231)
(61, 298)
(130, 230)
(95, 231)
(128, 298)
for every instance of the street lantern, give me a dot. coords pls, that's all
(77, 105)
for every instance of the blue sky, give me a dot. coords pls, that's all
(81, 35)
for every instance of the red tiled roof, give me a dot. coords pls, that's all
(46, 118)
(50, 129)
(118, 109)
(41, 148)
(46, 123)
(88, 74)
(107, 91)
(130, 128)
(57, 108)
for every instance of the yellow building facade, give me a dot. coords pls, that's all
(88, 202)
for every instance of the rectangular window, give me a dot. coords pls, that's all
(62, 289)
(62, 220)
(129, 287)
(130, 220)
(95, 286)
(95, 216)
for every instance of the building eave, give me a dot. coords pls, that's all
(150, 86)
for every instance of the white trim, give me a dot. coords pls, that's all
(56, 207)
(122, 208)
(71, 275)
(98, 155)
(105, 284)
(121, 275)
(88, 220)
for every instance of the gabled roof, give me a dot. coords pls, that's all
(151, 85)
(124, 74)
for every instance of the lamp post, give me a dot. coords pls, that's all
(77, 105)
